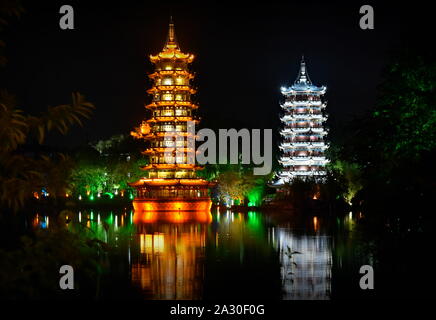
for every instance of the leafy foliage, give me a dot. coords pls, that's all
(21, 174)
(236, 181)
(395, 143)
(32, 271)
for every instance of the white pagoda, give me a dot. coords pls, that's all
(303, 146)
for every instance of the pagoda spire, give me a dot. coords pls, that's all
(303, 76)
(171, 42)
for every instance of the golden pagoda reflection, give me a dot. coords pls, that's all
(171, 254)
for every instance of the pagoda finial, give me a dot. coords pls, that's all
(303, 77)
(171, 39)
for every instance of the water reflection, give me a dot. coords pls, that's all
(170, 260)
(182, 255)
(306, 263)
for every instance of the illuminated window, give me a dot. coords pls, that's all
(168, 160)
(181, 112)
(167, 82)
(179, 97)
(167, 113)
(180, 127)
(181, 174)
(168, 143)
(167, 96)
(167, 127)
(181, 159)
(180, 143)
(180, 81)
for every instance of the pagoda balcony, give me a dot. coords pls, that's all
(318, 143)
(297, 159)
(164, 166)
(300, 116)
(301, 130)
(284, 159)
(308, 173)
(306, 116)
(166, 150)
(293, 102)
(172, 88)
(319, 116)
(174, 119)
(171, 103)
(157, 134)
(299, 143)
(161, 73)
(298, 103)
(317, 129)
(305, 139)
(302, 135)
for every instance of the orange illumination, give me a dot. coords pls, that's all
(172, 217)
(315, 223)
(171, 108)
(146, 206)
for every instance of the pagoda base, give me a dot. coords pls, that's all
(172, 217)
(172, 204)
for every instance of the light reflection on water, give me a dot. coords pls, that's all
(306, 263)
(166, 253)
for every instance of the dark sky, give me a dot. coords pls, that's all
(245, 53)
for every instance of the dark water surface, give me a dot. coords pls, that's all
(220, 254)
(228, 255)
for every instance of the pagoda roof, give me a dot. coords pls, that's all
(303, 82)
(171, 49)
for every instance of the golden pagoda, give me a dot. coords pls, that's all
(171, 183)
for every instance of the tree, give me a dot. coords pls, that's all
(20, 174)
(394, 144)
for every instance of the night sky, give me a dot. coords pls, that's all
(245, 53)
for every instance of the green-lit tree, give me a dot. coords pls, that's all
(394, 144)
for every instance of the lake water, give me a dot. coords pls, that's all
(224, 254)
